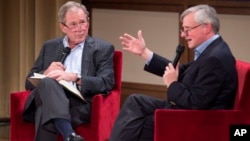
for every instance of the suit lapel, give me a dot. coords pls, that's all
(210, 48)
(203, 54)
(87, 55)
(60, 48)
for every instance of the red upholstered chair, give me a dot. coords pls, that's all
(206, 125)
(104, 111)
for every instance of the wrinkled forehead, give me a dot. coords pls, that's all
(75, 13)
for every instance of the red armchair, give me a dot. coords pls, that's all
(104, 112)
(206, 125)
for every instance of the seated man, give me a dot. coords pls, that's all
(89, 67)
(208, 82)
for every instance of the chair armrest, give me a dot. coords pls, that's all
(18, 128)
(18, 100)
(190, 125)
(105, 107)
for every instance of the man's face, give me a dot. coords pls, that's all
(76, 26)
(192, 31)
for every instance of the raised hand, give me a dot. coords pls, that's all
(132, 44)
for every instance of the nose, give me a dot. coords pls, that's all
(182, 34)
(79, 27)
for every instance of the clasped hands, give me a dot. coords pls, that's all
(56, 70)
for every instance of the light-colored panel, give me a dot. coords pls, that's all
(160, 31)
(235, 31)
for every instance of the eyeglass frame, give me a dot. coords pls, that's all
(189, 29)
(74, 25)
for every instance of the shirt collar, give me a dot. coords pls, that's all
(204, 45)
(66, 43)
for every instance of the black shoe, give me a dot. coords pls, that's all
(75, 137)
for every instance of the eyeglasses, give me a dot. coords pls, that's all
(74, 26)
(189, 29)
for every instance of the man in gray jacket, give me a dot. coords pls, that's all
(89, 67)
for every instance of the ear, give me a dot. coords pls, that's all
(208, 28)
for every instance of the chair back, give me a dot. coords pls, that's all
(117, 69)
(242, 99)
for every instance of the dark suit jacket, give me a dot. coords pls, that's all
(97, 72)
(210, 82)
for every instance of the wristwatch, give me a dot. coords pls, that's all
(78, 77)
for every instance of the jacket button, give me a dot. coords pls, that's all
(173, 103)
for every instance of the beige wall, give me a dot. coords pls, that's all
(235, 30)
(160, 30)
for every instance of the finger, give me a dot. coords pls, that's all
(58, 78)
(125, 45)
(124, 42)
(140, 37)
(58, 65)
(49, 74)
(122, 38)
(170, 65)
(166, 68)
(126, 49)
(129, 37)
(177, 67)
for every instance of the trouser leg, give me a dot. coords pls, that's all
(135, 115)
(52, 103)
(41, 133)
(147, 132)
(55, 103)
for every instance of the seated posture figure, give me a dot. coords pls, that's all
(89, 67)
(208, 82)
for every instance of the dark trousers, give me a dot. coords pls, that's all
(135, 121)
(52, 103)
(41, 132)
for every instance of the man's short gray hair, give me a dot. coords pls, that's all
(69, 6)
(204, 14)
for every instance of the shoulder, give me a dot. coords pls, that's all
(98, 41)
(99, 45)
(54, 41)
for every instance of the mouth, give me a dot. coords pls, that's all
(188, 40)
(80, 35)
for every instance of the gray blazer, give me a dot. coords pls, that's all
(97, 72)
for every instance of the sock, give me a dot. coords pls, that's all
(64, 127)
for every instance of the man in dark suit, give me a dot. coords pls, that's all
(89, 67)
(208, 82)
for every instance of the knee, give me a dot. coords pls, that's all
(133, 98)
(47, 83)
(47, 80)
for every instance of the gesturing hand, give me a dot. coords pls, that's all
(132, 44)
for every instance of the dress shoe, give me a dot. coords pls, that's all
(75, 137)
